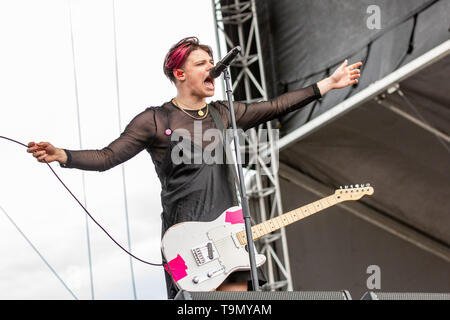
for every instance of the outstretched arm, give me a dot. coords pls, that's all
(45, 151)
(137, 135)
(250, 115)
(341, 78)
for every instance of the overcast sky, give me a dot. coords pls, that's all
(38, 102)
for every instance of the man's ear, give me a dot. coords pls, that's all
(178, 74)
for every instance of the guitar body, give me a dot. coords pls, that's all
(201, 255)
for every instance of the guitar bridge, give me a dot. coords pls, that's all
(205, 253)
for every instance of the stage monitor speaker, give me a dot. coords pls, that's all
(370, 295)
(264, 295)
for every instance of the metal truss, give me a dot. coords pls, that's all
(236, 21)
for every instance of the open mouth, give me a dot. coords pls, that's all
(209, 83)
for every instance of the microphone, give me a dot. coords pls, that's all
(224, 63)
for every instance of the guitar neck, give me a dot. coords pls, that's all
(283, 220)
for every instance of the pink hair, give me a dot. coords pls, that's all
(177, 55)
(177, 58)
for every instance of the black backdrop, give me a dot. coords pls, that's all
(303, 41)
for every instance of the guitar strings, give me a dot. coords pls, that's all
(296, 215)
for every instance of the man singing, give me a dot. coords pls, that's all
(191, 191)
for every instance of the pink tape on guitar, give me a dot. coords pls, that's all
(177, 267)
(234, 217)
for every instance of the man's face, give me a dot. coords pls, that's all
(196, 74)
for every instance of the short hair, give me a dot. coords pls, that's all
(178, 53)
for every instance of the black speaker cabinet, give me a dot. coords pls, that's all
(264, 295)
(370, 295)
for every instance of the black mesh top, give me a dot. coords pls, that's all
(147, 130)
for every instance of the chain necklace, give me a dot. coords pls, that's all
(200, 112)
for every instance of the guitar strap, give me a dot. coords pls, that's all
(226, 148)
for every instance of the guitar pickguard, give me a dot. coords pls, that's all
(235, 255)
(209, 252)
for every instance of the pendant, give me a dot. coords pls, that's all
(200, 113)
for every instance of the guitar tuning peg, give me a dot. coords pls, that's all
(346, 187)
(368, 185)
(357, 186)
(340, 187)
(351, 186)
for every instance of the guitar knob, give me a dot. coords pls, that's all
(196, 280)
(210, 274)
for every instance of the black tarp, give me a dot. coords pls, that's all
(409, 167)
(309, 39)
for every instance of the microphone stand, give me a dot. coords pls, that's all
(244, 199)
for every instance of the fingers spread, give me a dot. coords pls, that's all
(355, 65)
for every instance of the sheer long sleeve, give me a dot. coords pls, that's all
(250, 115)
(137, 135)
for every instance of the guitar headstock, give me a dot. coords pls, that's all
(355, 192)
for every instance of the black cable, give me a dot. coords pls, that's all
(98, 224)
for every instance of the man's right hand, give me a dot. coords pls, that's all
(46, 152)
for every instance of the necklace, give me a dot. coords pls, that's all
(199, 112)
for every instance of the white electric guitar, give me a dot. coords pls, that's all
(201, 255)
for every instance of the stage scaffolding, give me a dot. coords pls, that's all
(237, 25)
